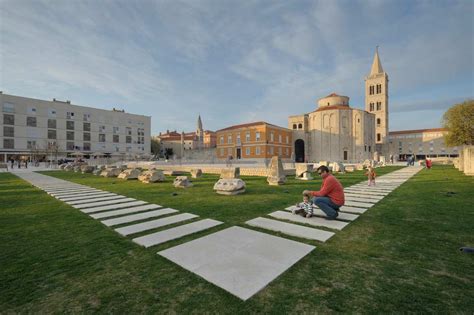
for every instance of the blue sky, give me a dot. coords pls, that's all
(237, 61)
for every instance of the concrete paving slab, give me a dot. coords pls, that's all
(360, 199)
(138, 216)
(352, 210)
(64, 190)
(102, 203)
(113, 207)
(315, 221)
(360, 191)
(241, 268)
(114, 213)
(358, 204)
(149, 225)
(95, 199)
(91, 196)
(317, 212)
(70, 191)
(291, 229)
(83, 193)
(176, 232)
(362, 195)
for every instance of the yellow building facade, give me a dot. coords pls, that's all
(258, 141)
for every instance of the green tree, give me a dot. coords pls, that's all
(459, 120)
(155, 146)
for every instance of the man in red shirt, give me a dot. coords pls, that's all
(331, 195)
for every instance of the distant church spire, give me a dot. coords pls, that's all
(199, 124)
(376, 64)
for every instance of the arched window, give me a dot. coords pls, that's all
(300, 126)
(294, 126)
(378, 121)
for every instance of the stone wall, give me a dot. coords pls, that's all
(468, 160)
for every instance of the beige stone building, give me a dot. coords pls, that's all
(421, 143)
(376, 102)
(334, 131)
(29, 124)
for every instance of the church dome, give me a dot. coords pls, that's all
(333, 100)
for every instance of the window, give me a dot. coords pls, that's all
(31, 144)
(87, 146)
(271, 151)
(8, 108)
(70, 146)
(287, 152)
(247, 137)
(229, 151)
(371, 90)
(69, 115)
(70, 135)
(222, 139)
(379, 88)
(300, 126)
(8, 119)
(279, 139)
(345, 155)
(31, 110)
(51, 112)
(294, 126)
(371, 105)
(102, 129)
(222, 151)
(247, 151)
(229, 139)
(52, 123)
(116, 139)
(31, 121)
(280, 151)
(238, 140)
(101, 137)
(86, 136)
(272, 137)
(379, 137)
(51, 134)
(128, 139)
(378, 121)
(128, 131)
(8, 131)
(370, 148)
(8, 143)
(70, 125)
(365, 148)
(379, 105)
(287, 140)
(116, 130)
(257, 150)
(87, 117)
(257, 136)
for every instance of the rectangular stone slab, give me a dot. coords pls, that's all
(95, 199)
(149, 225)
(318, 212)
(358, 204)
(71, 191)
(65, 190)
(139, 216)
(102, 203)
(113, 207)
(91, 196)
(238, 260)
(352, 209)
(291, 229)
(176, 232)
(372, 188)
(360, 199)
(362, 195)
(113, 213)
(315, 221)
(84, 193)
(359, 191)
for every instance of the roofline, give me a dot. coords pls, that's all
(250, 125)
(416, 131)
(70, 104)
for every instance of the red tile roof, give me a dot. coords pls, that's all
(257, 123)
(416, 131)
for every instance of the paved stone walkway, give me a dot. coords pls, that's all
(239, 260)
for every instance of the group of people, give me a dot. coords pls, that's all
(330, 198)
(19, 163)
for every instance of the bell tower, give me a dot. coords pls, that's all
(376, 101)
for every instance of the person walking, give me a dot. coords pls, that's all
(331, 195)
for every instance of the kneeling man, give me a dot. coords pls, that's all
(331, 195)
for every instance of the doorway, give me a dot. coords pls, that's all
(299, 151)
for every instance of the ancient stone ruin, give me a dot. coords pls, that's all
(230, 173)
(132, 173)
(196, 173)
(303, 171)
(110, 172)
(229, 186)
(182, 182)
(151, 176)
(276, 174)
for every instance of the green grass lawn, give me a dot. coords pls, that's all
(402, 255)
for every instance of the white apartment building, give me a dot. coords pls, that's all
(29, 125)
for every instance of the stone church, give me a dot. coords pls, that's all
(335, 131)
